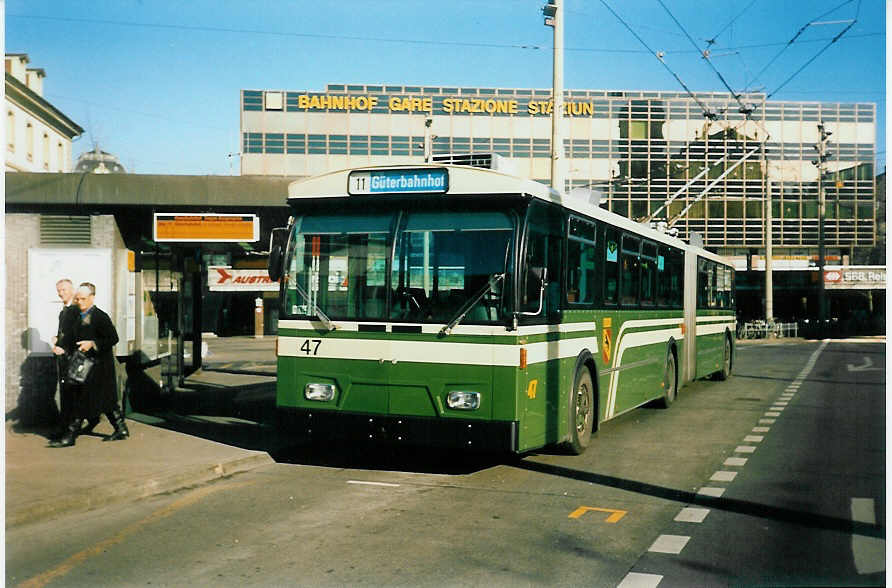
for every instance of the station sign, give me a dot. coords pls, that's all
(398, 181)
(226, 279)
(208, 228)
(864, 277)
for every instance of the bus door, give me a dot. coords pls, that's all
(539, 304)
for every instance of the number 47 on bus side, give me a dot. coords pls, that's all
(311, 346)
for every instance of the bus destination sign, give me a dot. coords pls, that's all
(398, 181)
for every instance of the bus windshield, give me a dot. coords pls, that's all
(400, 266)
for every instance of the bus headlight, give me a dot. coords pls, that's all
(320, 392)
(461, 400)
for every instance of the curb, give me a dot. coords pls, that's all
(132, 491)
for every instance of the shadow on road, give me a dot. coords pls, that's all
(805, 519)
(245, 417)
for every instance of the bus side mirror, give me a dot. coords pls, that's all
(278, 239)
(535, 287)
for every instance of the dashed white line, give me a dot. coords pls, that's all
(869, 552)
(691, 514)
(637, 580)
(669, 544)
(723, 476)
(363, 483)
(710, 491)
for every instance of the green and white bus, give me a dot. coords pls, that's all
(456, 306)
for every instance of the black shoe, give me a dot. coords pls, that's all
(67, 439)
(116, 418)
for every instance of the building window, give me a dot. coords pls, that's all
(60, 151)
(46, 151)
(10, 131)
(29, 141)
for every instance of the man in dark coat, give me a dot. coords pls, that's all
(68, 317)
(95, 335)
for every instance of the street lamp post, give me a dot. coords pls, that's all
(554, 17)
(823, 155)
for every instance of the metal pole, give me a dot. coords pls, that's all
(822, 205)
(769, 254)
(557, 114)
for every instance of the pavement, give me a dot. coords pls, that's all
(206, 430)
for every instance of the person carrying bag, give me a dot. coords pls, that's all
(91, 371)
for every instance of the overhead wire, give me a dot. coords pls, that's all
(705, 55)
(274, 33)
(706, 112)
(798, 34)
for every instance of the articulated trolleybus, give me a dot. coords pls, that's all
(458, 306)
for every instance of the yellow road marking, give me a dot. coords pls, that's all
(615, 514)
(80, 557)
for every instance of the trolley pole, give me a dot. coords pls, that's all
(554, 17)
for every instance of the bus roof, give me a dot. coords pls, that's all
(467, 180)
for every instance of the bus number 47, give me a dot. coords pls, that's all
(311, 346)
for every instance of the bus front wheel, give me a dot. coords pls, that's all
(582, 412)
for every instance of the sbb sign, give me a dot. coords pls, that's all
(855, 277)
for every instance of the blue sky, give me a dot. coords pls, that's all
(157, 83)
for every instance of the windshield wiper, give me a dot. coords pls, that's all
(467, 306)
(317, 312)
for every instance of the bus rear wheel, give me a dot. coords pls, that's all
(723, 373)
(670, 381)
(582, 412)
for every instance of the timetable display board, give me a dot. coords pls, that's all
(217, 228)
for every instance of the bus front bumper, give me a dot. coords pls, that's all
(472, 435)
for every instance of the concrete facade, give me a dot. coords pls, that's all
(38, 136)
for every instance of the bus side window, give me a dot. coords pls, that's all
(581, 266)
(648, 273)
(611, 265)
(676, 278)
(662, 276)
(631, 271)
(702, 283)
(543, 250)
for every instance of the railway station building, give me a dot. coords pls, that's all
(726, 176)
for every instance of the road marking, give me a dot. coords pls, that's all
(744, 449)
(692, 515)
(723, 476)
(669, 544)
(709, 491)
(869, 552)
(867, 366)
(103, 546)
(615, 514)
(364, 483)
(761, 429)
(754, 438)
(736, 461)
(636, 580)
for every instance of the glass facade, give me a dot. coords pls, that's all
(639, 149)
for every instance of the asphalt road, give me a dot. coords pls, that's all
(775, 477)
